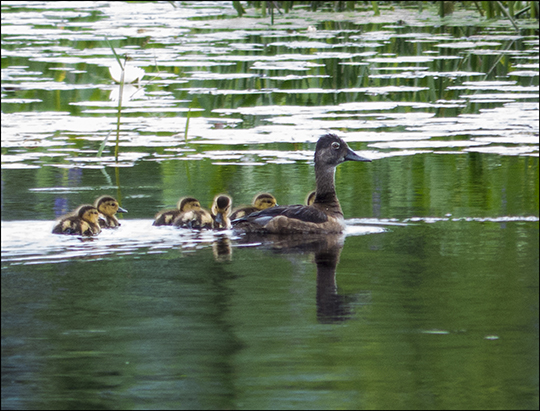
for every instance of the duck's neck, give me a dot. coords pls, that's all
(325, 196)
(112, 221)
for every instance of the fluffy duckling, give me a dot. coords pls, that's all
(221, 210)
(167, 217)
(195, 217)
(108, 207)
(83, 221)
(310, 198)
(325, 214)
(260, 202)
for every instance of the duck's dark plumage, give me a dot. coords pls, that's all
(108, 207)
(300, 212)
(83, 221)
(324, 215)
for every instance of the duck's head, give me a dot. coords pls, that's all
(108, 206)
(88, 213)
(188, 204)
(264, 200)
(332, 150)
(221, 209)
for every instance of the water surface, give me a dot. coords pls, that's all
(429, 300)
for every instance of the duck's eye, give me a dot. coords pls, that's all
(335, 145)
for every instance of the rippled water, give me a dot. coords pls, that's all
(428, 300)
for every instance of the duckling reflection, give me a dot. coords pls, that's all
(332, 307)
(221, 248)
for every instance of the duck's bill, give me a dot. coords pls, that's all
(352, 156)
(219, 218)
(121, 210)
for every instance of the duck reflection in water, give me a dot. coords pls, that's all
(332, 307)
(221, 248)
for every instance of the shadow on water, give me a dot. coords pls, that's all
(332, 307)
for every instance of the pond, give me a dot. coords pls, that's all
(428, 300)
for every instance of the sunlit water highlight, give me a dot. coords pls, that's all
(31, 242)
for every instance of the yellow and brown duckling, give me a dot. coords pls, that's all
(310, 198)
(108, 207)
(196, 218)
(199, 218)
(325, 214)
(221, 210)
(167, 217)
(260, 202)
(83, 221)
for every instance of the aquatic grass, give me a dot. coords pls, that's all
(187, 125)
(489, 9)
(102, 145)
(238, 7)
(508, 14)
(119, 112)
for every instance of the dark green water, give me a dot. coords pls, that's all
(428, 301)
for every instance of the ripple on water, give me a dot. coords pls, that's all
(31, 242)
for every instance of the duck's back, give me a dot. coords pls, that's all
(243, 212)
(291, 219)
(194, 219)
(76, 226)
(166, 217)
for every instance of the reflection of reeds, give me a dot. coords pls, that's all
(491, 9)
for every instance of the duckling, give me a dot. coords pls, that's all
(167, 217)
(221, 209)
(260, 202)
(325, 214)
(310, 198)
(108, 207)
(83, 221)
(195, 217)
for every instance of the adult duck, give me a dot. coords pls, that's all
(83, 221)
(108, 207)
(325, 214)
(260, 202)
(167, 217)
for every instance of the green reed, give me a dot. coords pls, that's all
(489, 9)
